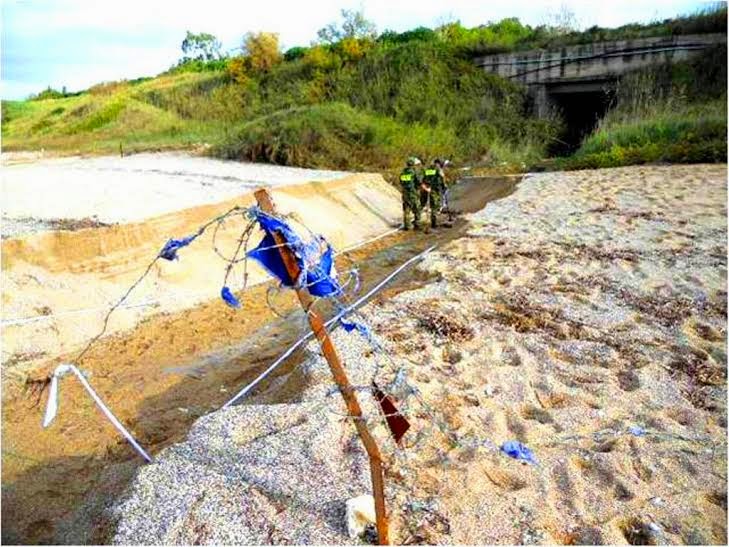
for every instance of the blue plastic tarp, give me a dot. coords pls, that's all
(316, 266)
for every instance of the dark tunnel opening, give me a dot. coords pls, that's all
(581, 111)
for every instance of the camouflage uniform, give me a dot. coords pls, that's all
(409, 183)
(435, 181)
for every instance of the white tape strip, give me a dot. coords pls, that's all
(52, 405)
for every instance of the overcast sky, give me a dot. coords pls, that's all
(77, 43)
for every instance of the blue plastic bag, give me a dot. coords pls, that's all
(229, 298)
(637, 431)
(516, 450)
(359, 327)
(169, 251)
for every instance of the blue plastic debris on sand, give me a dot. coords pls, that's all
(229, 298)
(359, 327)
(516, 450)
(637, 431)
(317, 266)
(169, 251)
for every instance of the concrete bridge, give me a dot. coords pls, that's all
(580, 80)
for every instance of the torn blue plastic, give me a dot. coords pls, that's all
(516, 450)
(316, 266)
(169, 251)
(364, 330)
(637, 431)
(229, 298)
(354, 277)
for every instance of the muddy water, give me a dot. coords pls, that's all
(159, 378)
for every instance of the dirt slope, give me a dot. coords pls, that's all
(57, 285)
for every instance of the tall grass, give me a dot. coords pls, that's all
(333, 135)
(672, 113)
(396, 100)
(666, 132)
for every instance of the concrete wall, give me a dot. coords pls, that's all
(602, 60)
(590, 67)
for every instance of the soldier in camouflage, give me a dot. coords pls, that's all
(433, 189)
(410, 181)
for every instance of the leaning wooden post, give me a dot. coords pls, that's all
(266, 204)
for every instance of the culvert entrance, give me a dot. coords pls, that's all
(581, 106)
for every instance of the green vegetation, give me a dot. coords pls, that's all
(510, 34)
(672, 113)
(352, 101)
(333, 135)
(411, 98)
(358, 100)
(98, 120)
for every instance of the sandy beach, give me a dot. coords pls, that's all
(77, 232)
(597, 305)
(37, 193)
(583, 316)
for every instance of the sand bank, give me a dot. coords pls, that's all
(58, 285)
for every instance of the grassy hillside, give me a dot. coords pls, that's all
(366, 107)
(367, 102)
(100, 119)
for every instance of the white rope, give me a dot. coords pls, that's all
(52, 406)
(243, 392)
(370, 240)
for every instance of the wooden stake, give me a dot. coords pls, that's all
(266, 204)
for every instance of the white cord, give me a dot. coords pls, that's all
(52, 406)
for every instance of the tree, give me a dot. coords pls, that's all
(562, 20)
(354, 25)
(261, 49)
(200, 47)
(237, 69)
(296, 52)
(422, 34)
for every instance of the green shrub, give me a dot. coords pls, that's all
(48, 93)
(421, 34)
(666, 133)
(335, 135)
(332, 135)
(198, 65)
(101, 117)
(294, 53)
